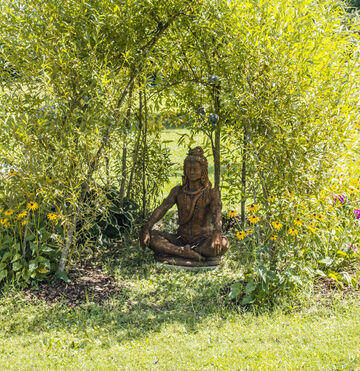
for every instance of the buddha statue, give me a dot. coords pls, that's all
(198, 240)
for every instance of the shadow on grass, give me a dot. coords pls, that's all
(149, 298)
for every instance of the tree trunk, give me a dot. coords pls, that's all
(134, 162)
(68, 243)
(144, 156)
(243, 178)
(216, 153)
(124, 154)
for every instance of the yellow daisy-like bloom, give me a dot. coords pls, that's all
(271, 198)
(52, 216)
(274, 237)
(32, 205)
(12, 173)
(319, 217)
(232, 214)
(9, 212)
(40, 190)
(30, 194)
(277, 225)
(240, 235)
(250, 231)
(24, 222)
(298, 222)
(253, 208)
(293, 231)
(3, 221)
(253, 219)
(21, 215)
(311, 227)
(50, 179)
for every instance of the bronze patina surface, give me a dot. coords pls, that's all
(198, 241)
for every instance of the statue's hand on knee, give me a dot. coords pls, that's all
(216, 243)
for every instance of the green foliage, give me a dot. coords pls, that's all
(75, 64)
(298, 240)
(85, 88)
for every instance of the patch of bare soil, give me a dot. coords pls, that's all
(325, 287)
(86, 285)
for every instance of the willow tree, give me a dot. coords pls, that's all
(282, 78)
(293, 91)
(75, 63)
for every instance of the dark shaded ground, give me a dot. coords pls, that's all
(87, 284)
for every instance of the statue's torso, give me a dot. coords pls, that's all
(194, 214)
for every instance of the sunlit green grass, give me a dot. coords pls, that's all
(178, 320)
(151, 337)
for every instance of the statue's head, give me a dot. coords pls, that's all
(196, 155)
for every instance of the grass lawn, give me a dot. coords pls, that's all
(95, 338)
(177, 320)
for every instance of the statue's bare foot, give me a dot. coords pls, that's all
(191, 254)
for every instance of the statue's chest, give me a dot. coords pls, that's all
(197, 205)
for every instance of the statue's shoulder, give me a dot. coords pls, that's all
(215, 193)
(175, 191)
(215, 196)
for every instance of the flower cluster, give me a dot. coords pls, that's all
(232, 214)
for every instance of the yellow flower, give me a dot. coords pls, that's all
(319, 217)
(24, 222)
(298, 222)
(12, 173)
(30, 194)
(40, 190)
(4, 221)
(253, 208)
(52, 216)
(21, 215)
(32, 205)
(274, 237)
(277, 225)
(293, 231)
(272, 198)
(9, 212)
(50, 179)
(253, 219)
(240, 235)
(232, 214)
(250, 231)
(311, 227)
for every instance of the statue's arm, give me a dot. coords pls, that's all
(157, 214)
(216, 207)
(161, 210)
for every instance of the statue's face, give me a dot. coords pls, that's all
(193, 170)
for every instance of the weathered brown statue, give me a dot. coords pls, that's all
(198, 240)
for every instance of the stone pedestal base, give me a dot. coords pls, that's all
(183, 262)
(187, 268)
